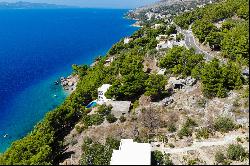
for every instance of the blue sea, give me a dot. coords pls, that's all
(37, 47)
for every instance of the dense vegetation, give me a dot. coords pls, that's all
(232, 37)
(180, 60)
(187, 128)
(218, 79)
(160, 159)
(155, 86)
(224, 124)
(44, 144)
(235, 152)
(95, 153)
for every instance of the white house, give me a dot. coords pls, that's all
(101, 91)
(149, 15)
(245, 72)
(169, 44)
(131, 153)
(127, 40)
(164, 44)
(109, 61)
(172, 37)
(162, 37)
(157, 26)
(161, 72)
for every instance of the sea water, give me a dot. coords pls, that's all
(37, 47)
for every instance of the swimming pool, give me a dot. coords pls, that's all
(91, 104)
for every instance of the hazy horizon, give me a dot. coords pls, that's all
(122, 4)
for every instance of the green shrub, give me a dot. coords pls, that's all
(236, 152)
(136, 104)
(185, 131)
(167, 160)
(157, 157)
(171, 128)
(160, 159)
(73, 142)
(236, 103)
(104, 110)
(111, 118)
(219, 157)
(95, 119)
(122, 119)
(112, 143)
(95, 153)
(80, 129)
(203, 133)
(187, 128)
(171, 145)
(192, 161)
(238, 139)
(224, 124)
(201, 102)
(87, 141)
(190, 123)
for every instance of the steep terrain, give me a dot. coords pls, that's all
(191, 106)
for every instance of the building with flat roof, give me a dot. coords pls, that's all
(119, 108)
(131, 153)
(127, 40)
(101, 93)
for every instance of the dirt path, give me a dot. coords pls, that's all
(213, 142)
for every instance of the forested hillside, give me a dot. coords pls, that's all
(130, 81)
(231, 37)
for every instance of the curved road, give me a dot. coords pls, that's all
(190, 43)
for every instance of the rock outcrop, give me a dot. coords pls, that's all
(69, 83)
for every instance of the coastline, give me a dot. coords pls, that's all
(137, 24)
(69, 83)
(91, 122)
(68, 92)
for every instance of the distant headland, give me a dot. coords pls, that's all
(29, 5)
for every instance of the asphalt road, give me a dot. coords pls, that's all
(190, 43)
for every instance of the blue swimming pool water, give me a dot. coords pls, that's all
(39, 46)
(92, 104)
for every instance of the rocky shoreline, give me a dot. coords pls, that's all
(69, 83)
(137, 24)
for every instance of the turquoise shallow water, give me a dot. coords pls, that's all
(39, 46)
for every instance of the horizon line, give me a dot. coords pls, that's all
(68, 6)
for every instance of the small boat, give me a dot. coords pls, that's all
(56, 82)
(55, 95)
(6, 135)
